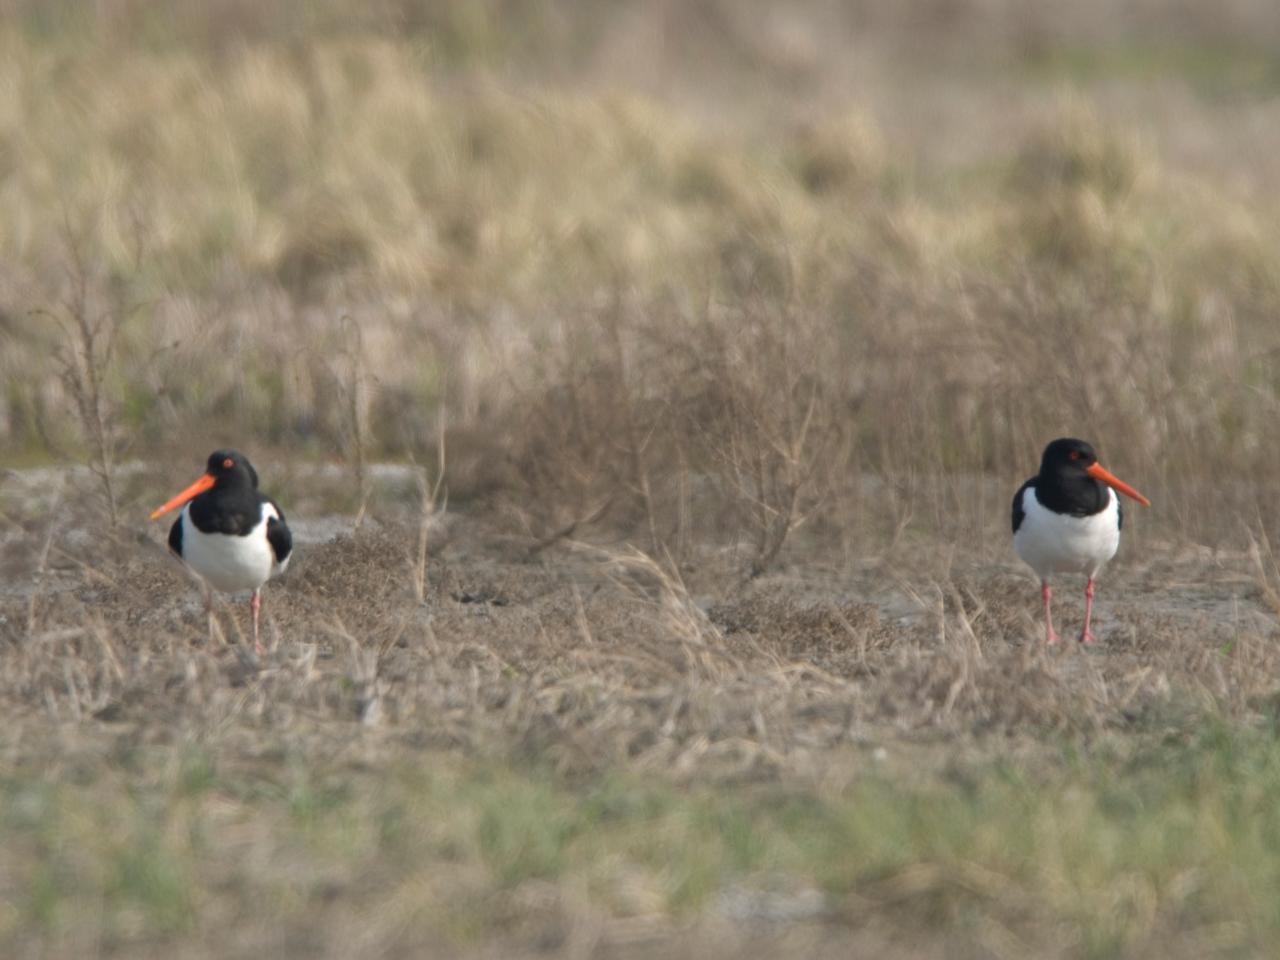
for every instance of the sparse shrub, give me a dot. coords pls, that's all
(89, 322)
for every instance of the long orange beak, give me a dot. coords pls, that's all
(1099, 472)
(197, 488)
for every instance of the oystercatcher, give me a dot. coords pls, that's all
(232, 536)
(1067, 519)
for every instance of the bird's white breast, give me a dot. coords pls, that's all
(1051, 542)
(228, 562)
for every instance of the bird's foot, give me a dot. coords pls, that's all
(1087, 637)
(259, 649)
(1050, 636)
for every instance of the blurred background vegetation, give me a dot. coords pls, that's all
(779, 245)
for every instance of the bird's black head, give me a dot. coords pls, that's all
(1072, 480)
(1067, 458)
(227, 472)
(229, 468)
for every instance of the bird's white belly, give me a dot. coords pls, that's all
(1051, 542)
(230, 563)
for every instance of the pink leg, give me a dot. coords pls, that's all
(1046, 594)
(1086, 635)
(256, 605)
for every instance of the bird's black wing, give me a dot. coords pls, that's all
(1018, 512)
(175, 536)
(278, 534)
(1119, 512)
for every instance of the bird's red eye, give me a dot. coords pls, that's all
(1074, 455)
(229, 463)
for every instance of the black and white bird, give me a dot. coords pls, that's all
(1067, 519)
(233, 537)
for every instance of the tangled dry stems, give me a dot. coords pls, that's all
(594, 659)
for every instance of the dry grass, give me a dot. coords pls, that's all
(738, 326)
(773, 308)
(591, 746)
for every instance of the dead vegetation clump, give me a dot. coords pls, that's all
(834, 636)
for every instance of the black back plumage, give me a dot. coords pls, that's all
(1018, 513)
(278, 535)
(1063, 486)
(233, 506)
(175, 536)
